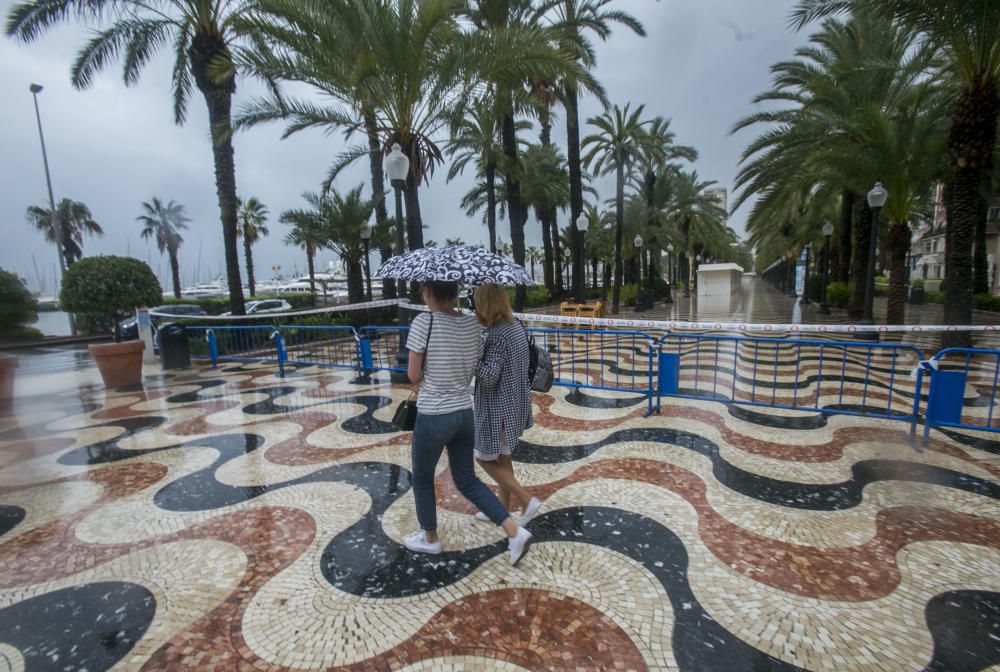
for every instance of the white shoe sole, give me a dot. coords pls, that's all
(514, 559)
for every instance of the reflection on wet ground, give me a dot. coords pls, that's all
(231, 519)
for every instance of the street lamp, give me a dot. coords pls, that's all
(824, 307)
(805, 276)
(582, 222)
(876, 199)
(670, 273)
(397, 167)
(567, 253)
(366, 236)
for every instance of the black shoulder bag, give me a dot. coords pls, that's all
(405, 416)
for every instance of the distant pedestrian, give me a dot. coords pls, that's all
(503, 397)
(444, 346)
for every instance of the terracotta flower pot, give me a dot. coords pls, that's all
(120, 364)
(7, 366)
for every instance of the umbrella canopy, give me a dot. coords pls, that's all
(465, 264)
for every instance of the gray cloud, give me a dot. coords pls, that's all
(113, 147)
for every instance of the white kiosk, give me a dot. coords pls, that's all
(719, 279)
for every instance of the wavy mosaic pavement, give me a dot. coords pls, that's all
(230, 519)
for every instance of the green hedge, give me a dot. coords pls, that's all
(18, 309)
(838, 294)
(537, 296)
(107, 289)
(986, 302)
(933, 297)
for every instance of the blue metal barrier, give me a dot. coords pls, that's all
(864, 379)
(598, 359)
(383, 344)
(330, 346)
(946, 407)
(242, 344)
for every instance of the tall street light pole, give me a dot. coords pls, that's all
(581, 285)
(670, 273)
(397, 167)
(805, 276)
(876, 199)
(824, 307)
(366, 236)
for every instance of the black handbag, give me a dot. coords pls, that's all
(405, 417)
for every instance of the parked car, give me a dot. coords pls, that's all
(130, 328)
(266, 306)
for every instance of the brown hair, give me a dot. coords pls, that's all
(492, 305)
(444, 292)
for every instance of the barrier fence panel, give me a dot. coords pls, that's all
(382, 344)
(881, 380)
(332, 346)
(243, 344)
(963, 390)
(619, 361)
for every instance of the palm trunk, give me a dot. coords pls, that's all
(378, 193)
(593, 272)
(575, 171)
(204, 51)
(844, 248)
(175, 272)
(491, 205)
(547, 255)
(355, 282)
(980, 268)
(248, 253)
(970, 142)
(310, 253)
(619, 225)
(859, 263)
(414, 223)
(557, 253)
(898, 245)
(515, 213)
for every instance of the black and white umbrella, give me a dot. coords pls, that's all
(465, 264)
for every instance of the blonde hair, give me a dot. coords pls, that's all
(492, 305)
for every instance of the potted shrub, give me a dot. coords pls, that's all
(106, 290)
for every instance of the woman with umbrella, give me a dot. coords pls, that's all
(444, 346)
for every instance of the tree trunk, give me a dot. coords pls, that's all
(515, 213)
(547, 255)
(970, 144)
(175, 272)
(248, 253)
(898, 245)
(859, 262)
(557, 253)
(414, 223)
(378, 193)
(593, 272)
(575, 170)
(355, 282)
(310, 253)
(980, 268)
(848, 197)
(206, 50)
(491, 205)
(619, 225)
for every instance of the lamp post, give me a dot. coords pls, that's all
(876, 199)
(824, 307)
(366, 236)
(397, 167)
(670, 273)
(582, 222)
(697, 263)
(805, 276)
(637, 242)
(567, 254)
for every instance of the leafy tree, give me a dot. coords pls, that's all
(308, 232)
(252, 225)
(18, 308)
(620, 137)
(108, 289)
(164, 223)
(546, 190)
(343, 217)
(72, 220)
(201, 36)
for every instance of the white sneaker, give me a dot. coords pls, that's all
(518, 545)
(418, 542)
(482, 517)
(531, 510)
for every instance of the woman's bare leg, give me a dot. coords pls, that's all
(501, 470)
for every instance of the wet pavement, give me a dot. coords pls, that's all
(230, 519)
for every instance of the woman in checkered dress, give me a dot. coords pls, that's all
(503, 397)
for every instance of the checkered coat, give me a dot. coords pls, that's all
(503, 392)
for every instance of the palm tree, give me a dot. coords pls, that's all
(252, 225)
(201, 37)
(575, 20)
(71, 221)
(454, 241)
(697, 215)
(308, 231)
(343, 218)
(967, 33)
(546, 190)
(534, 255)
(621, 134)
(164, 223)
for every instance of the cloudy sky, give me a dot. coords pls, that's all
(113, 147)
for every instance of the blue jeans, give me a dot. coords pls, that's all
(454, 431)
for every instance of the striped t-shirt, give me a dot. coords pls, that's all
(450, 361)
